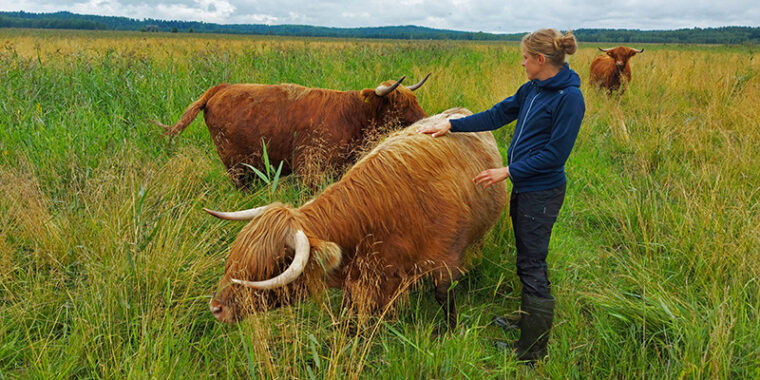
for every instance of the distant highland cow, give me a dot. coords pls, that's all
(612, 71)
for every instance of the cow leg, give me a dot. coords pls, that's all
(445, 297)
(237, 176)
(370, 292)
(313, 162)
(239, 179)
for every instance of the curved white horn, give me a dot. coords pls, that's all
(605, 50)
(237, 215)
(385, 90)
(301, 245)
(417, 85)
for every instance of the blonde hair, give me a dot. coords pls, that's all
(550, 43)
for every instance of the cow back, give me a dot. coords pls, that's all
(417, 192)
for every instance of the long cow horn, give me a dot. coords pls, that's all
(638, 51)
(604, 50)
(416, 86)
(237, 215)
(385, 90)
(301, 245)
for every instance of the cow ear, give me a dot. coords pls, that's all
(326, 254)
(367, 95)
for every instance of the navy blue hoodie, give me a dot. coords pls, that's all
(549, 115)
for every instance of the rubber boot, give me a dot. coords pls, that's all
(535, 326)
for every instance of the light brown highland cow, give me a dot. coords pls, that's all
(406, 210)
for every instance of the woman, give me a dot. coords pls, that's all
(548, 109)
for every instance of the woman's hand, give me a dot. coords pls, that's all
(488, 177)
(437, 129)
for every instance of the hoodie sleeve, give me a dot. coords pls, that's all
(552, 156)
(499, 115)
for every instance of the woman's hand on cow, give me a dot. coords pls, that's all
(488, 177)
(437, 129)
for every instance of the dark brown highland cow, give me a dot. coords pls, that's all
(408, 209)
(299, 125)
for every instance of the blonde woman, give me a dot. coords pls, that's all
(549, 109)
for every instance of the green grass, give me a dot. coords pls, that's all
(107, 261)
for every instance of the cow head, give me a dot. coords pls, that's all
(621, 55)
(391, 101)
(272, 261)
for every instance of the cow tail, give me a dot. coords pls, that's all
(190, 113)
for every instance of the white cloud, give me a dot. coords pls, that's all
(258, 19)
(486, 15)
(355, 15)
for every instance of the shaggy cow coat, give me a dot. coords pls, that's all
(309, 130)
(406, 210)
(612, 70)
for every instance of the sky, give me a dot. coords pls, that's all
(505, 16)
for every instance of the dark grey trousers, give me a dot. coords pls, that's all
(533, 215)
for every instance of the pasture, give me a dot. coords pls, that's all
(107, 261)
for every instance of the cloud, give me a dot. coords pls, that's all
(509, 16)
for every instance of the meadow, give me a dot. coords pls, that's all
(107, 261)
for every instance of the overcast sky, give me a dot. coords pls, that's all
(510, 16)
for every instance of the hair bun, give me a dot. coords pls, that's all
(550, 43)
(568, 43)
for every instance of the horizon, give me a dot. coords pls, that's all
(487, 16)
(144, 19)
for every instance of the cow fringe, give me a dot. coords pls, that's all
(190, 113)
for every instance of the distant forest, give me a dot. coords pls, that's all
(67, 20)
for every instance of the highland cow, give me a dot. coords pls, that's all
(407, 210)
(612, 71)
(297, 124)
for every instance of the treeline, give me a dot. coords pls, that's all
(35, 20)
(392, 32)
(67, 20)
(49, 22)
(722, 35)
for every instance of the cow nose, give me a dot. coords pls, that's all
(216, 309)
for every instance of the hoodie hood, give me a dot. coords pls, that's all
(566, 77)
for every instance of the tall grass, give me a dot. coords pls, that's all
(107, 262)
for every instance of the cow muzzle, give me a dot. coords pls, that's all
(219, 311)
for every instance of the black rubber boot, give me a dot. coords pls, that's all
(535, 326)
